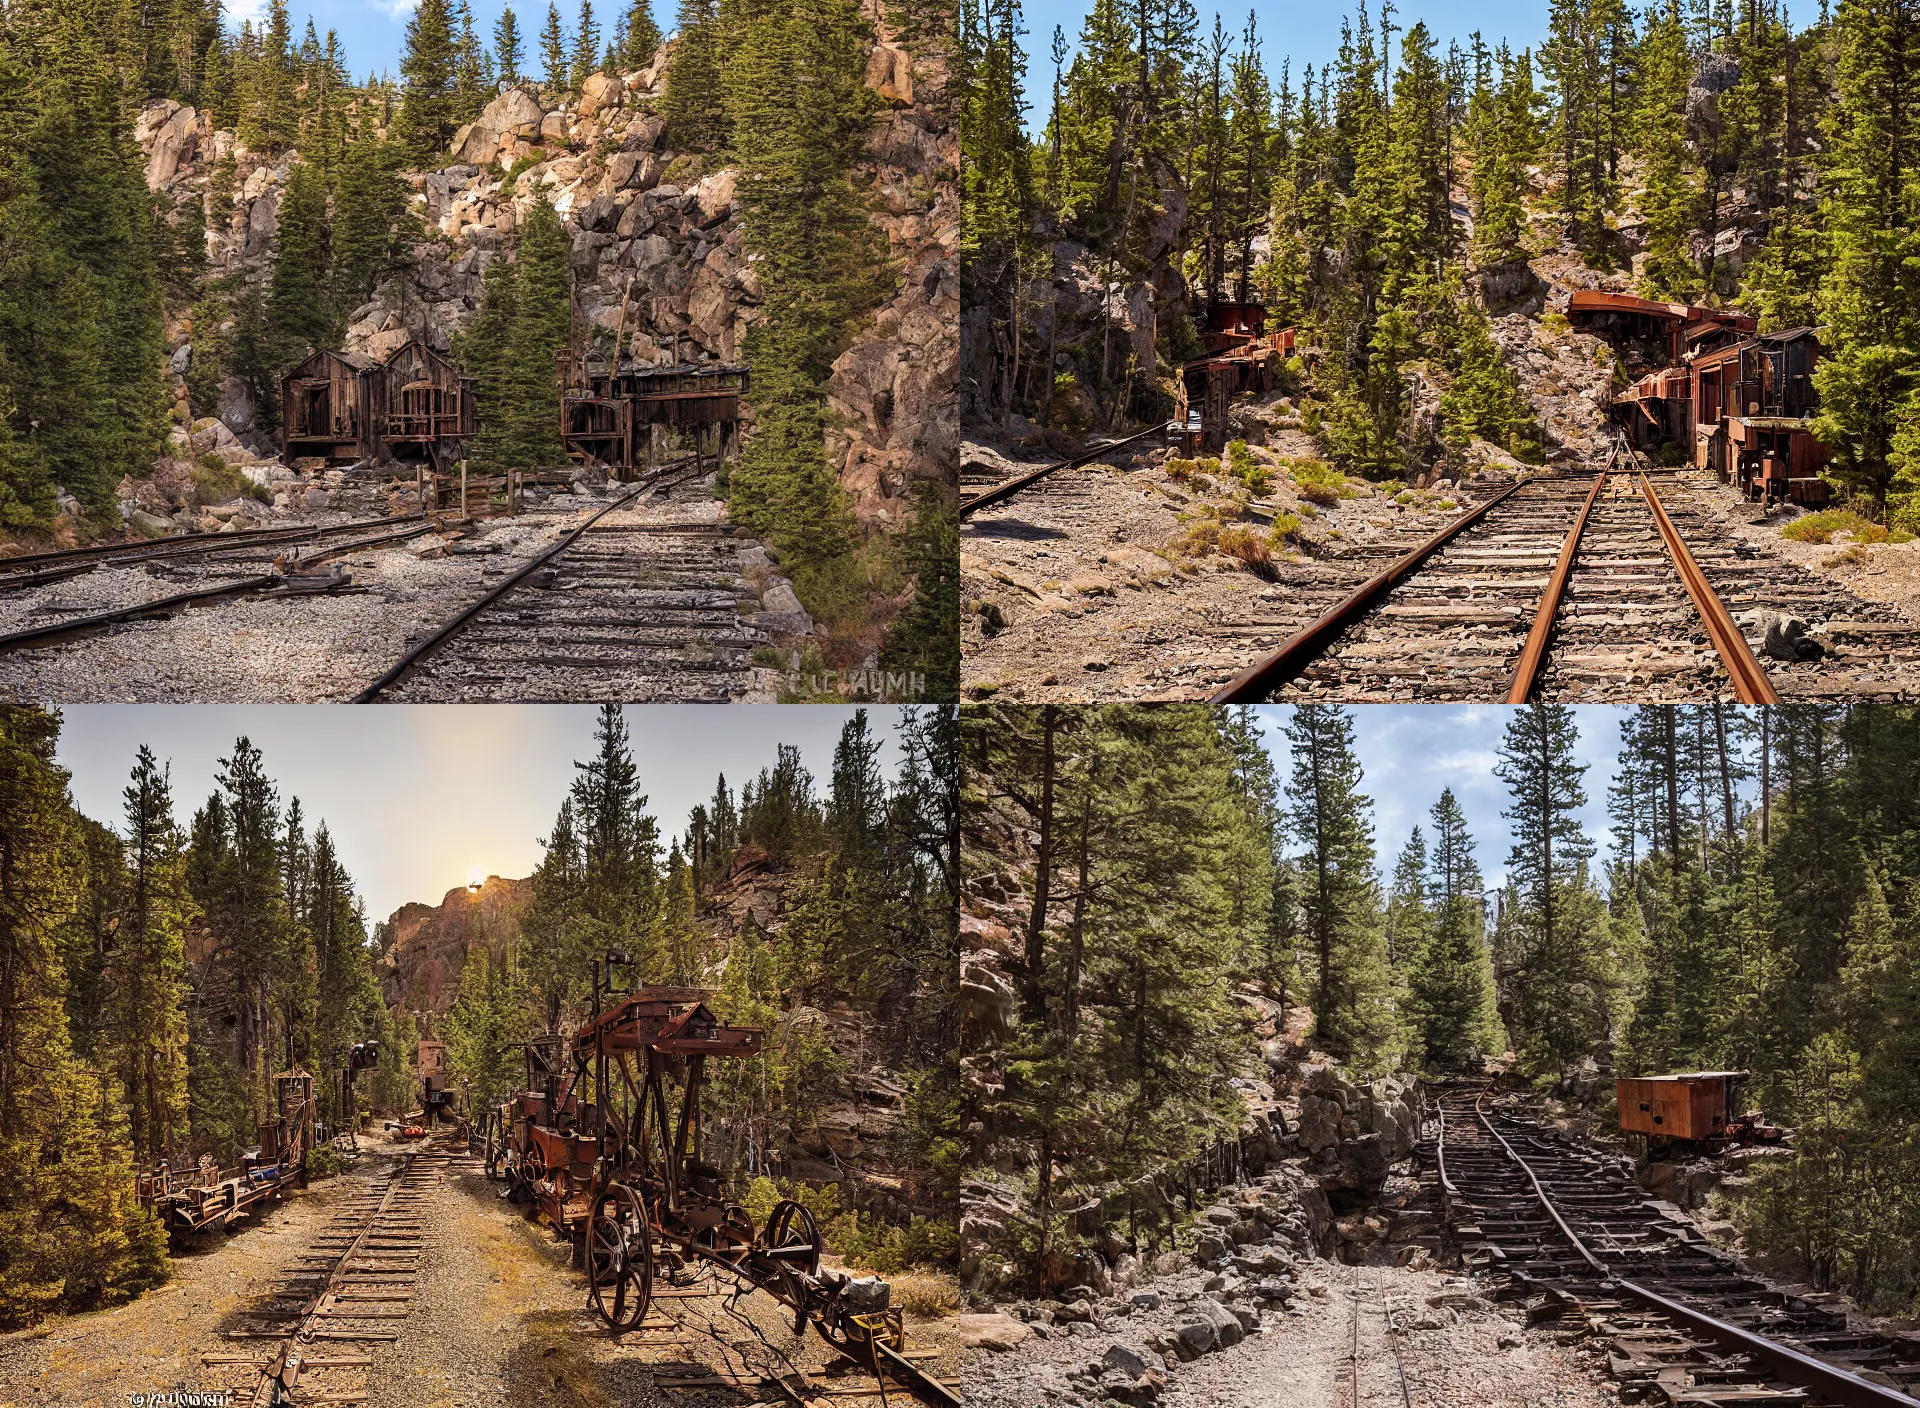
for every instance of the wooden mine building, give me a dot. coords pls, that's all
(608, 414)
(344, 407)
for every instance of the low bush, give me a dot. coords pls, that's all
(1820, 527)
(217, 482)
(1319, 482)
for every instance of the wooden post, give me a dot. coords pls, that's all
(466, 512)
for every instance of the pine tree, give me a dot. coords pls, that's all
(554, 51)
(509, 52)
(640, 36)
(1351, 991)
(795, 143)
(586, 47)
(532, 304)
(299, 311)
(1668, 199)
(429, 73)
(372, 226)
(1453, 989)
(924, 638)
(1557, 999)
(693, 101)
(147, 972)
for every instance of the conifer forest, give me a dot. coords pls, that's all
(1367, 201)
(164, 969)
(1192, 965)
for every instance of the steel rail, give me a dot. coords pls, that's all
(453, 627)
(918, 1381)
(1846, 1389)
(1534, 655)
(279, 1374)
(37, 569)
(1019, 482)
(66, 630)
(1253, 684)
(1750, 682)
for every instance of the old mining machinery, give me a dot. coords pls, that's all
(205, 1195)
(605, 1143)
(363, 1056)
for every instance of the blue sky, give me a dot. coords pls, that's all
(1410, 752)
(373, 32)
(418, 795)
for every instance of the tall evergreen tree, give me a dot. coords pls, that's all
(429, 77)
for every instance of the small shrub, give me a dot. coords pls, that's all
(925, 1294)
(1180, 471)
(1555, 323)
(1310, 418)
(1285, 525)
(1258, 480)
(325, 1162)
(1899, 535)
(1318, 482)
(217, 482)
(1405, 498)
(1248, 546)
(1820, 527)
(1849, 557)
(1393, 488)
(682, 171)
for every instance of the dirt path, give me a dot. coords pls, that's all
(1458, 1351)
(498, 1318)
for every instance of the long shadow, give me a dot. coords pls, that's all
(1017, 528)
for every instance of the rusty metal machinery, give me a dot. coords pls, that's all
(205, 1195)
(605, 1143)
(364, 1056)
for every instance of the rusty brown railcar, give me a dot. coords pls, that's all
(611, 1150)
(203, 1195)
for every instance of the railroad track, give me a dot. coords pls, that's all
(233, 558)
(1613, 585)
(630, 605)
(342, 1300)
(1007, 488)
(1570, 1233)
(41, 569)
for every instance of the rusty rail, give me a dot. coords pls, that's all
(1255, 683)
(413, 657)
(40, 569)
(1750, 682)
(1846, 1389)
(1013, 486)
(1535, 653)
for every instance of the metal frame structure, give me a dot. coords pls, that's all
(193, 1199)
(609, 1152)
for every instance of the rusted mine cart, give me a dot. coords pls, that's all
(609, 1151)
(1242, 358)
(1696, 1111)
(193, 1199)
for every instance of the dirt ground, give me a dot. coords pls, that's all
(499, 1318)
(1075, 591)
(316, 648)
(1457, 1351)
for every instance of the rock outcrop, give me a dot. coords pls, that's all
(657, 247)
(427, 947)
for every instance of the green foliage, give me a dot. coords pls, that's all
(1820, 527)
(429, 75)
(925, 637)
(512, 346)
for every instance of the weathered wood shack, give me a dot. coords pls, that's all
(331, 406)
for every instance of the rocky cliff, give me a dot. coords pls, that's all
(654, 231)
(427, 947)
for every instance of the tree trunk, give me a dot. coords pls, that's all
(1043, 875)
